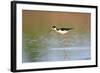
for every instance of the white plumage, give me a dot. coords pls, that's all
(61, 30)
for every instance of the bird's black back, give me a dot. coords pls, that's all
(64, 29)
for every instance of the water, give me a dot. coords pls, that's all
(60, 55)
(55, 48)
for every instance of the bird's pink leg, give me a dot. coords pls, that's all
(65, 44)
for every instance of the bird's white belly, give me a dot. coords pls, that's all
(62, 32)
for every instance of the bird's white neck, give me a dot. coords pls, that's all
(54, 28)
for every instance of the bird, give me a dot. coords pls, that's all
(61, 30)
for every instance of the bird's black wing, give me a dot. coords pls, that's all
(66, 28)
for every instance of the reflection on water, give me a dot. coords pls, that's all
(55, 47)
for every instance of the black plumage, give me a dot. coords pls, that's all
(61, 30)
(64, 29)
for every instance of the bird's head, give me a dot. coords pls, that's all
(54, 27)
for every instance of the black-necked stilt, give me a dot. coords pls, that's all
(61, 30)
